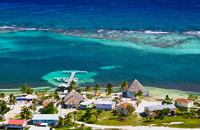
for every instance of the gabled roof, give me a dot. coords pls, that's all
(183, 100)
(124, 105)
(161, 107)
(73, 97)
(45, 117)
(135, 86)
(16, 122)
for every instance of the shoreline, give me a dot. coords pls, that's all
(156, 94)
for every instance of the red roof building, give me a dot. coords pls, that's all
(16, 124)
(181, 102)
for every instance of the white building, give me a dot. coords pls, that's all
(181, 102)
(16, 124)
(106, 105)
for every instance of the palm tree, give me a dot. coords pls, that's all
(12, 100)
(72, 85)
(97, 87)
(74, 113)
(33, 108)
(82, 126)
(124, 85)
(68, 118)
(96, 113)
(3, 95)
(109, 89)
(139, 94)
(61, 121)
(25, 113)
(88, 89)
(117, 100)
(24, 88)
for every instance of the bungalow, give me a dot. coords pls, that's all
(73, 99)
(122, 107)
(133, 88)
(16, 124)
(106, 105)
(87, 104)
(51, 119)
(181, 102)
(150, 110)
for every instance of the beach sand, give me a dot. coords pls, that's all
(156, 94)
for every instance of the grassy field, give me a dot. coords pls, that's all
(71, 126)
(188, 123)
(108, 118)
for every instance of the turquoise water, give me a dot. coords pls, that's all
(156, 42)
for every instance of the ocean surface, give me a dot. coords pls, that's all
(154, 41)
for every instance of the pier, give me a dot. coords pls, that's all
(71, 76)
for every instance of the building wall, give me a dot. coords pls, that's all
(104, 106)
(182, 104)
(122, 110)
(14, 126)
(152, 112)
(51, 122)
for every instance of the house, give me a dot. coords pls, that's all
(73, 99)
(87, 104)
(51, 119)
(133, 88)
(150, 110)
(16, 124)
(106, 105)
(64, 87)
(122, 107)
(181, 102)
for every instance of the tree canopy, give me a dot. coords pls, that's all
(124, 85)
(192, 97)
(97, 88)
(167, 100)
(3, 108)
(49, 109)
(109, 89)
(25, 113)
(25, 89)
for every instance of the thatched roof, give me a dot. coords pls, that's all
(135, 86)
(73, 97)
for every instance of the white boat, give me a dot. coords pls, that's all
(75, 80)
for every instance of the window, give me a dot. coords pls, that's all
(179, 103)
(103, 104)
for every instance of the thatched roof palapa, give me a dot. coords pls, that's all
(135, 86)
(73, 97)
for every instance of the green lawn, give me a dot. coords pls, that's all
(71, 125)
(107, 118)
(188, 123)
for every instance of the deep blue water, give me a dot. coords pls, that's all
(26, 56)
